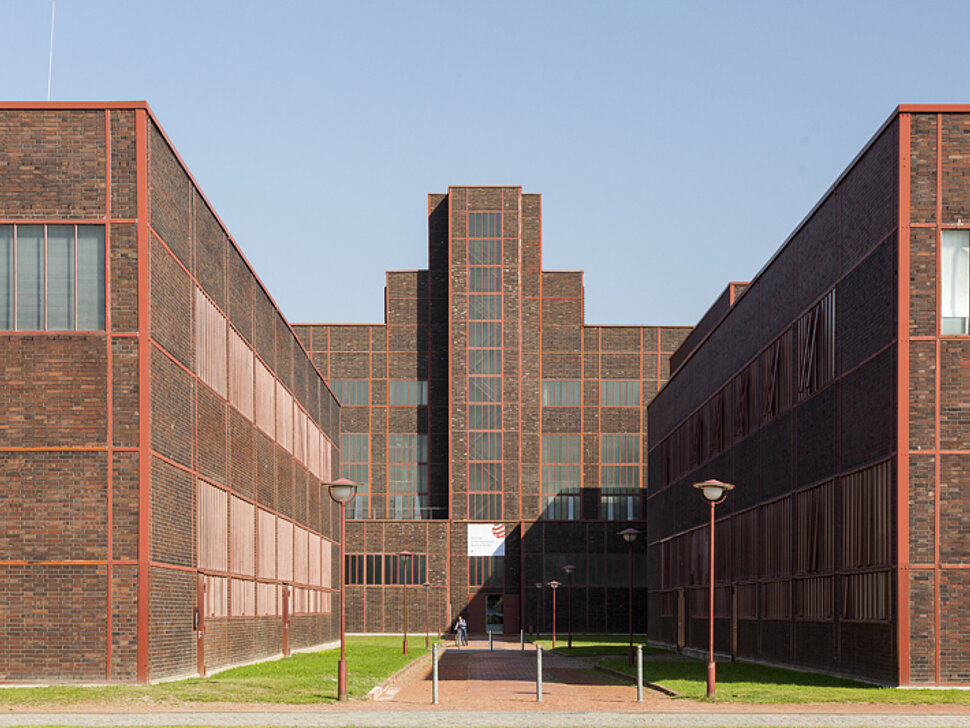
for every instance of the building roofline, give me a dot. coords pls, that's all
(143, 105)
(900, 109)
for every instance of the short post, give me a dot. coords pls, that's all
(434, 674)
(639, 673)
(522, 640)
(538, 674)
(489, 641)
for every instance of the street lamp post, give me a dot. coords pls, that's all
(714, 491)
(630, 535)
(539, 614)
(405, 559)
(342, 491)
(427, 615)
(569, 569)
(553, 585)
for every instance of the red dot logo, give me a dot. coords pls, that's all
(498, 530)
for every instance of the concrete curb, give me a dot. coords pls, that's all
(376, 692)
(653, 686)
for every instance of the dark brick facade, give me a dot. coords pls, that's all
(855, 473)
(106, 436)
(428, 336)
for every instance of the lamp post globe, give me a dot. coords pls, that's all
(342, 491)
(714, 492)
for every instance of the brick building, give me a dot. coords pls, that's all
(163, 435)
(833, 392)
(496, 436)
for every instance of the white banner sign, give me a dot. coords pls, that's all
(486, 539)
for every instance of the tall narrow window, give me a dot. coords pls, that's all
(350, 391)
(354, 461)
(407, 478)
(52, 277)
(561, 477)
(955, 265)
(619, 477)
(560, 393)
(484, 366)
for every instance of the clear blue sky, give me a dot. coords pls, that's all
(676, 144)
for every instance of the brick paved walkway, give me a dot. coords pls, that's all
(476, 679)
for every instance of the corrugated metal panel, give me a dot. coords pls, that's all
(327, 475)
(210, 343)
(867, 517)
(264, 399)
(216, 596)
(284, 550)
(316, 575)
(213, 527)
(267, 603)
(266, 545)
(240, 375)
(313, 450)
(284, 418)
(300, 436)
(776, 524)
(301, 555)
(242, 598)
(242, 554)
(326, 563)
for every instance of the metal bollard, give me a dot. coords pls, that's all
(538, 674)
(522, 640)
(434, 674)
(489, 641)
(639, 673)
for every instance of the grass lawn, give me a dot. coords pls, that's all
(299, 680)
(745, 683)
(590, 645)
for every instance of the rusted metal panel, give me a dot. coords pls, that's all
(316, 574)
(267, 600)
(284, 418)
(216, 596)
(301, 555)
(242, 595)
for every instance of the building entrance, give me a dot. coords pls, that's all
(494, 613)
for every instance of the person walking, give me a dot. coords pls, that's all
(461, 632)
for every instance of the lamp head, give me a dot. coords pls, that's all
(713, 490)
(342, 490)
(630, 534)
(405, 556)
(538, 585)
(553, 584)
(569, 568)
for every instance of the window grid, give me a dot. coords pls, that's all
(52, 278)
(351, 391)
(401, 392)
(354, 460)
(484, 351)
(566, 393)
(619, 477)
(407, 478)
(561, 477)
(620, 393)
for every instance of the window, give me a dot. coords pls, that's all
(561, 477)
(354, 457)
(485, 307)
(407, 478)
(619, 477)
(619, 394)
(955, 266)
(364, 569)
(403, 392)
(557, 393)
(52, 277)
(484, 417)
(350, 391)
(486, 571)
(398, 570)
